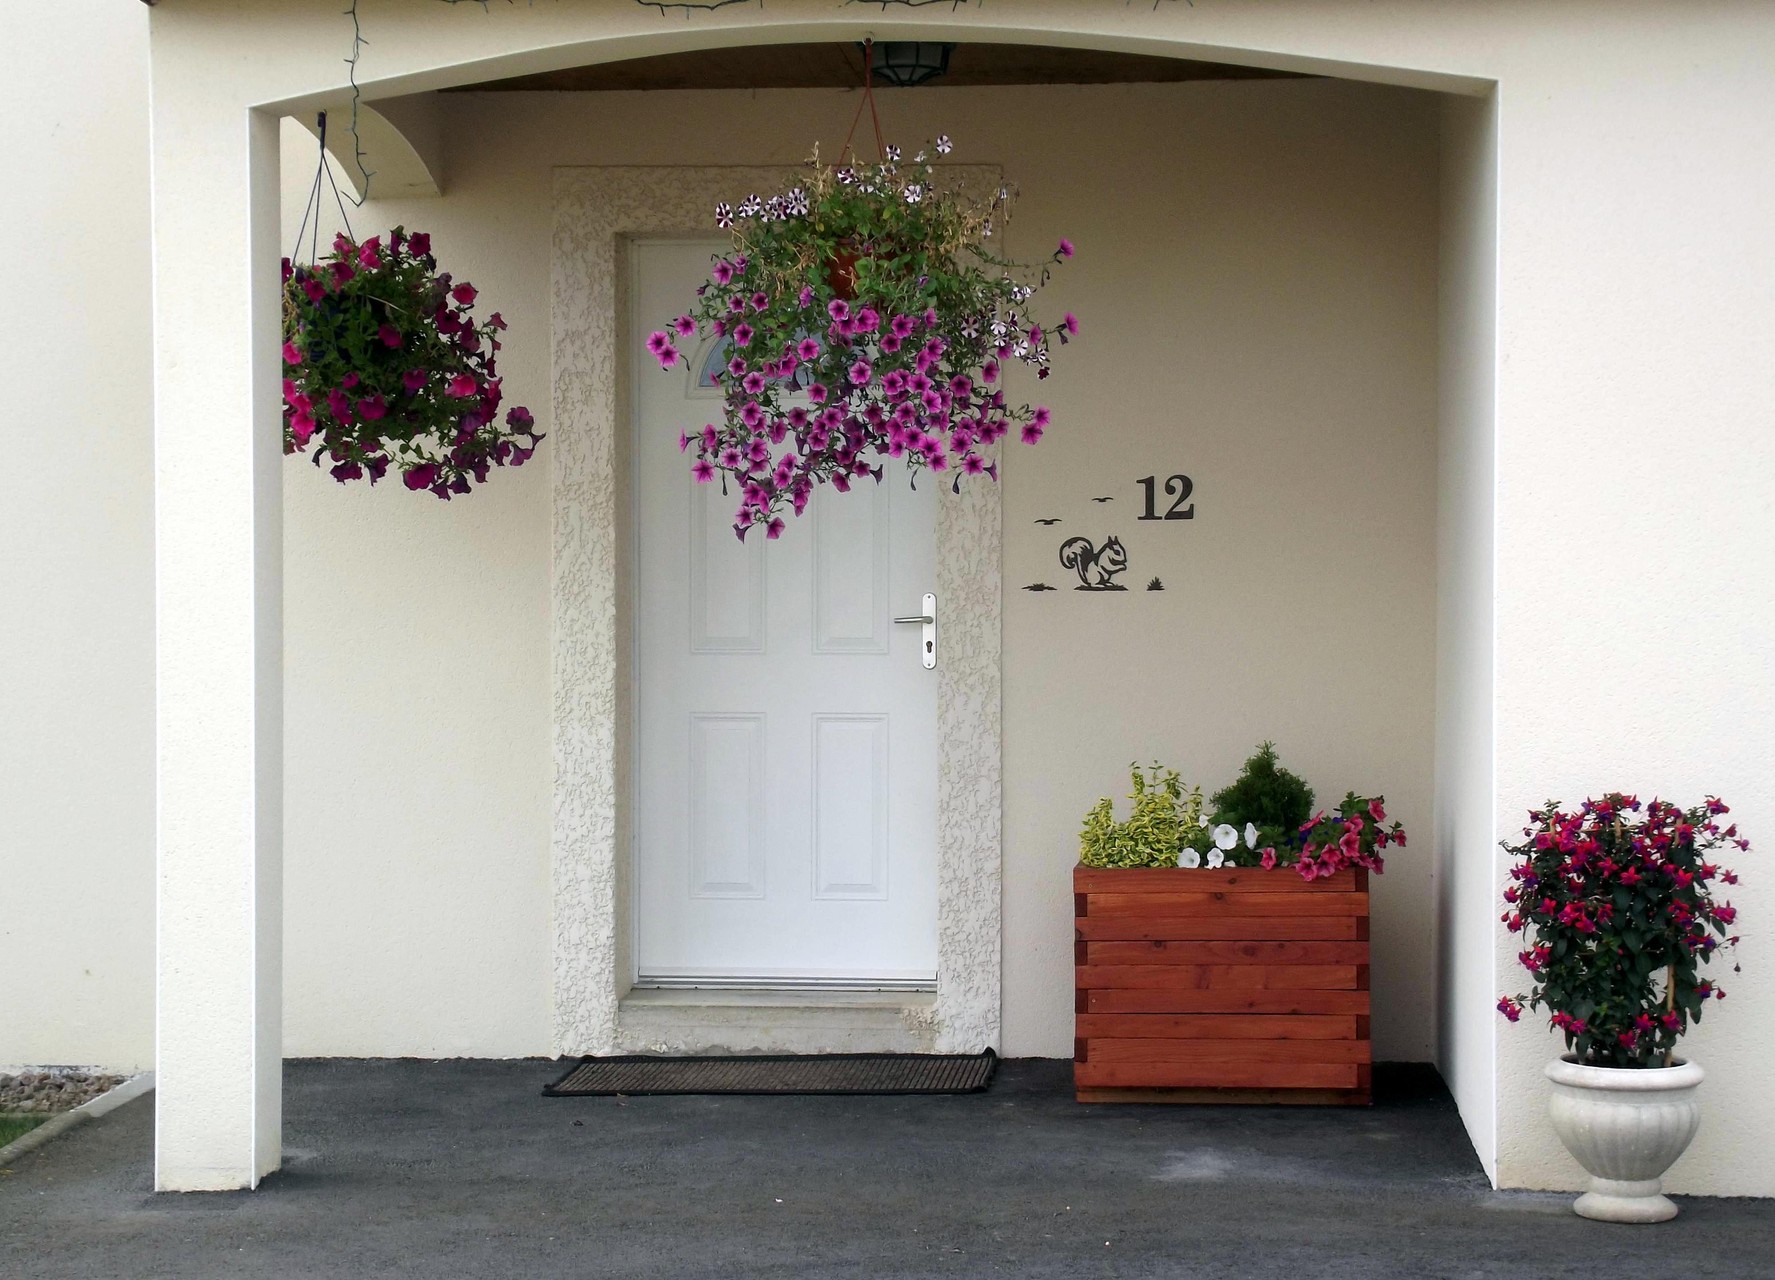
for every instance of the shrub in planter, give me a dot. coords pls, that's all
(1620, 906)
(867, 317)
(384, 366)
(1153, 835)
(1271, 807)
(1199, 979)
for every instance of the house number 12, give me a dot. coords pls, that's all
(1181, 486)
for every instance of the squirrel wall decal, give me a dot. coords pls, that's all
(1096, 566)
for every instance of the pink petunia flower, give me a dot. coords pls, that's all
(422, 476)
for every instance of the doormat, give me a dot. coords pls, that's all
(826, 1073)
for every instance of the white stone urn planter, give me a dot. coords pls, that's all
(1626, 1126)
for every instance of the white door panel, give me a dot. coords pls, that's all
(786, 780)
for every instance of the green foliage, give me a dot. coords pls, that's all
(13, 1127)
(1268, 797)
(1621, 908)
(1151, 837)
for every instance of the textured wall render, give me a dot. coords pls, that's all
(595, 209)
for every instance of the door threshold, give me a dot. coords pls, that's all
(774, 998)
(687, 1021)
(773, 983)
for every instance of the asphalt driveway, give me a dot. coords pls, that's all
(460, 1169)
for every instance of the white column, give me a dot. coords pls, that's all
(219, 632)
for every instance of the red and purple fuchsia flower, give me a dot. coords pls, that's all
(864, 317)
(1620, 906)
(385, 367)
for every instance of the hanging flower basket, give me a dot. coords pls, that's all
(384, 366)
(866, 316)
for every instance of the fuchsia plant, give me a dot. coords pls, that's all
(384, 366)
(865, 318)
(1621, 908)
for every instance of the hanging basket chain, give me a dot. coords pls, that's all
(311, 211)
(869, 102)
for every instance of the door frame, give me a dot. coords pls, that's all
(598, 212)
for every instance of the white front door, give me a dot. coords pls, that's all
(785, 784)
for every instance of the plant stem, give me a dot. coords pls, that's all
(1670, 1005)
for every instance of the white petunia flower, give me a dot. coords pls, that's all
(724, 215)
(893, 154)
(1189, 858)
(1225, 836)
(1251, 835)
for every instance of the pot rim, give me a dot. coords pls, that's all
(1680, 1074)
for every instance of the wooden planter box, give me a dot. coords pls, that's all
(1226, 985)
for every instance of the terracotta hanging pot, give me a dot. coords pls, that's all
(841, 269)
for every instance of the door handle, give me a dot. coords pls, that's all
(927, 649)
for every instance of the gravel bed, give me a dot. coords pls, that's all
(51, 1090)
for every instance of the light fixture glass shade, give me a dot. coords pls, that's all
(904, 63)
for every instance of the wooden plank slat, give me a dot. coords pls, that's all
(1235, 1055)
(1226, 952)
(1341, 977)
(1357, 1097)
(1219, 905)
(1206, 879)
(1221, 925)
(1191, 1000)
(1184, 1075)
(1220, 1026)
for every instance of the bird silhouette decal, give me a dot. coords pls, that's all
(1102, 499)
(1051, 520)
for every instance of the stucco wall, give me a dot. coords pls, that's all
(76, 542)
(1257, 282)
(1632, 412)
(1468, 864)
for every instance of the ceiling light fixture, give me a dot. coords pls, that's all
(904, 63)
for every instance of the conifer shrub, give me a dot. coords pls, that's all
(1266, 796)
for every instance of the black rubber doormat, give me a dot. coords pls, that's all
(826, 1073)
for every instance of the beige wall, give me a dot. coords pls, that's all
(76, 541)
(1257, 283)
(1631, 408)
(1468, 865)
